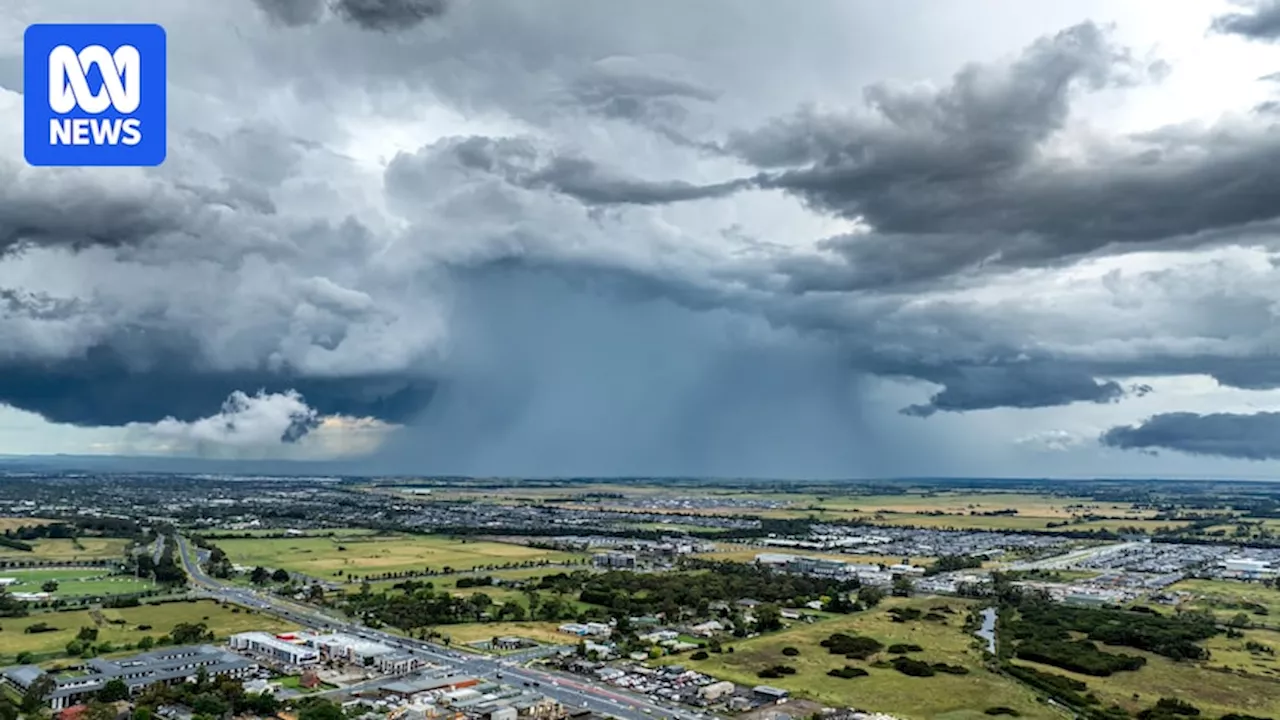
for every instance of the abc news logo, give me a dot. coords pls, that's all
(106, 95)
(69, 88)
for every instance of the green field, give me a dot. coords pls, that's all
(1226, 598)
(727, 552)
(948, 697)
(76, 583)
(1215, 692)
(223, 621)
(327, 557)
(85, 548)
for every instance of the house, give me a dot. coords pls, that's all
(707, 629)
(748, 603)
(659, 636)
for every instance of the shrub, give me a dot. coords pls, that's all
(1001, 710)
(847, 672)
(904, 648)
(914, 668)
(852, 647)
(790, 651)
(700, 655)
(950, 669)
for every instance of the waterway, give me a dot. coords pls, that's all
(988, 630)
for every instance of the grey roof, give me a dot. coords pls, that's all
(23, 675)
(423, 684)
(138, 670)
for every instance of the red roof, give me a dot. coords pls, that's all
(75, 712)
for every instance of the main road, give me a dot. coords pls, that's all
(573, 691)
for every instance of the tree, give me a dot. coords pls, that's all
(75, 647)
(259, 576)
(114, 690)
(34, 698)
(902, 586)
(25, 658)
(50, 586)
(768, 618)
(320, 709)
(870, 596)
(99, 710)
(280, 575)
(146, 643)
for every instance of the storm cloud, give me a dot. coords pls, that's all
(579, 238)
(1231, 435)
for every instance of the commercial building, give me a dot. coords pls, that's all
(614, 559)
(716, 690)
(349, 648)
(275, 649)
(169, 666)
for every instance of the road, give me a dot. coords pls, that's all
(570, 690)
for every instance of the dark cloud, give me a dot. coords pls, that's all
(389, 15)
(71, 209)
(656, 102)
(1229, 435)
(959, 179)
(522, 163)
(108, 388)
(1022, 385)
(292, 13)
(1259, 22)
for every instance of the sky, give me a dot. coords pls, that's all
(843, 239)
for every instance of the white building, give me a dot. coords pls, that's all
(349, 648)
(1249, 568)
(266, 645)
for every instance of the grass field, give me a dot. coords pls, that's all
(1215, 692)
(1226, 598)
(326, 557)
(747, 554)
(76, 583)
(12, 523)
(543, 632)
(320, 532)
(223, 621)
(85, 548)
(949, 697)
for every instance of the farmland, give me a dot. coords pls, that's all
(954, 697)
(75, 583)
(371, 555)
(222, 620)
(67, 549)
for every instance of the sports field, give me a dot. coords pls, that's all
(76, 583)
(62, 549)
(950, 697)
(328, 557)
(223, 621)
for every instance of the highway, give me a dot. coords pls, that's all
(570, 690)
